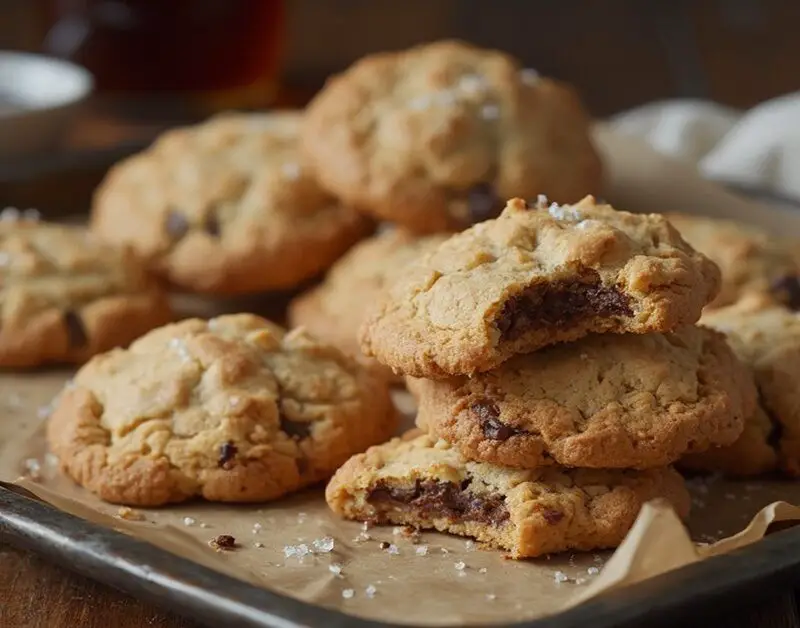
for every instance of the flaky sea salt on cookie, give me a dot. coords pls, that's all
(233, 409)
(537, 275)
(605, 401)
(425, 483)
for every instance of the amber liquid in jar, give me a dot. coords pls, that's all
(214, 53)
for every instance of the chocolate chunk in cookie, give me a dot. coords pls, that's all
(426, 484)
(535, 276)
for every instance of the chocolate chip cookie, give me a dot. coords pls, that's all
(334, 310)
(425, 483)
(65, 296)
(439, 136)
(605, 401)
(539, 274)
(232, 409)
(767, 339)
(750, 259)
(227, 207)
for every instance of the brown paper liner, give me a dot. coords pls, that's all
(439, 580)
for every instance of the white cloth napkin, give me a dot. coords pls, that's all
(759, 148)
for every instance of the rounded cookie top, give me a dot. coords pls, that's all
(64, 296)
(436, 137)
(334, 310)
(630, 401)
(535, 276)
(424, 482)
(750, 259)
(231, 409)
(767, 339)
(227, 207)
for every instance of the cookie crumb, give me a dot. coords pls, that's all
(223, 542)
(593, 571)
(323, 545)
(370, 591)
(422, 550)
(204, 525)
(189, 521)
(348, 593)
(258, 544)
(129, 514)
(560, 577)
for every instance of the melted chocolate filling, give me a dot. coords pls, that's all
(552, 516)
(493, 428)
(437, 499)
(559, 305)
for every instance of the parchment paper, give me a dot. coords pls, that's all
(435, 579)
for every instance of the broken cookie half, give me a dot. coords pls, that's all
(423, 482)
(537, 275)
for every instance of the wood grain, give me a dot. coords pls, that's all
(37, 594)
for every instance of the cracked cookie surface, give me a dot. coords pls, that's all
(334, 310)
(233, 409)
(535, 276)
(425, 483)
(227, 207)
(750, 260)
(767, 340)
(437, 137)
(65, 296)
(630, 401)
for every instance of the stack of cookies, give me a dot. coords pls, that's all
(558, 372)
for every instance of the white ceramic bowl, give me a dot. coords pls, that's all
(39, 96)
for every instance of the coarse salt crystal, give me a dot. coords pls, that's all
(335, 568)
(471, 83)
(529, 76)
(323, 545)
(482, 570)
(348, 593)
(541, 201)
(460, 565)
(393, 549)
(291, 170)
(189, 521)
(585, 224)
(490, 112)
(204, 525)
(593, 571)
(445, 550)
(257, 528)
(370, 591)
(397, 530)
(490, 596)
(563, 212)
(560, 577)
(469, 545)
(33, 468)
(258, 544)
(10, 214)
(422, 550)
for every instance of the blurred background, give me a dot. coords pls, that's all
(157, 63)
